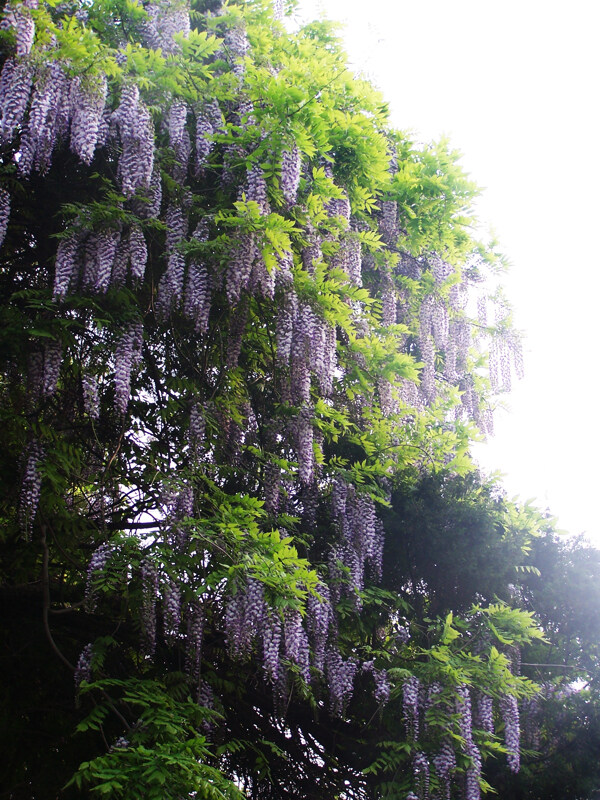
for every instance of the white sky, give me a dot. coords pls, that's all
(515, 85)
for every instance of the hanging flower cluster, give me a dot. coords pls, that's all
(31, 486)
(127, 356)
(470, 749)
(362, 536)
(512, 732)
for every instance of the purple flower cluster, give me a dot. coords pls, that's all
(138, 252)
(165, 20)
(209, 120)
(509, 710)
(303, 430)
(444, 763)
(68, 261)
(197, 428)
(440, 269)
(137, 142)
(100, 558)
(320, 621)
(194, 639)
(240, 266)
(87, 101)
(291, 167)
(91, 399)
(388, 223)
(421, 774)
(470, 749)
(49, 102)
(340, 679)
(83, 669)
(4, 213)
(197, 301)
(245, 612)
(361, 531)
(387, 402)
(177, 118)
(354, 260)
(272, 634)
(149, 576)
(15, 87)
(256, 189)
(271, 487)
(171, 597)
(127, 356)
(339, 207)
(296, 642)
(410, 706)
(236, 43)
(278, 9)
(382, 683)
(31, 486)
(24, 26)
(312, 253)
(389, 303)
(52, 362)
(284, 329)
(485, 713)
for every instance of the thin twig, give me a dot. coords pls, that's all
(46, 601)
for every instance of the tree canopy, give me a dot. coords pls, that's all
(248, 336)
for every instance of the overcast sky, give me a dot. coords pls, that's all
(515, 87)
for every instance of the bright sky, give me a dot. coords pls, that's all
(515, 84)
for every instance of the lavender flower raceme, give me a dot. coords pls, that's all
(465, 723)
(98, 561)
(67, 264)
(209, 120)
(388, 224)
(197, 427)
(149, 577)
(195, 634)
(87, 100)
(165, 21)
(25, 29)
(52, 362)
(177, 118)
(105, 245)
(240, 266)
(340, 679)
(41, 131)
(127, 355)
(4, 213)
(421, 774)
(83, 670)
(512, 731)
(137, 141)
(91, 400)
(15, 86)
(485, 714)
(31, 486)
(271, 644)
(237, 45)
(444, 763)
(171, 610)
(410, 705)
(296, 642)
(291, 166)
(278, 9)
(138, 253)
